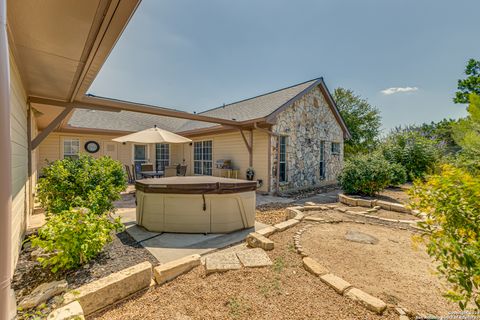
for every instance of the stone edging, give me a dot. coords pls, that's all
(357, 201)
(341, 286)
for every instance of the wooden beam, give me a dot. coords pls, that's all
(249, 146)
(52, 126)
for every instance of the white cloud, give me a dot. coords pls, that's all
(394, 90)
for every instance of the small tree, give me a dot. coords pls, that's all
(452, 229)
(84, 182)
(469, 85)
(467, 135)
(362, 119)
(417, 154)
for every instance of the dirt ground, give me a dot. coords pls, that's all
(282, 291)
(393, 270)
(394, 194)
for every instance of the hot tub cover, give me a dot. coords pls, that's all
(195, 185)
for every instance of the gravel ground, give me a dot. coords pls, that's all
(393, 270)
(272, 213)
(121, 253)
(283, 291)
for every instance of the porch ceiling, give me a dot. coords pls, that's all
(60, 45)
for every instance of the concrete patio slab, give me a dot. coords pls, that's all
(167, 247)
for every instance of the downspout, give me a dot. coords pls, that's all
(5, 172)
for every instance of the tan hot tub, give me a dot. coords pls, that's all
(199, 204)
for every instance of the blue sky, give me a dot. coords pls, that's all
(193, 55)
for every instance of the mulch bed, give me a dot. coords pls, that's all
(121, 253)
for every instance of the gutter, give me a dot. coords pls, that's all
(5, 173)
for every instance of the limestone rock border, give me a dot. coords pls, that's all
(341, 286)
(357, 201)
(103, 292)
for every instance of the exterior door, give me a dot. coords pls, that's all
(139, 157)
(110, 150)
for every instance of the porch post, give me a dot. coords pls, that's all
(5, 171)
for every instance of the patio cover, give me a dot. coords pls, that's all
(153, 135)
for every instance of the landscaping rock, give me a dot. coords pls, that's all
(312, 266)
(399, 208)
(254, 258)
(256, 240)
(42, 293)
(70, 311)
(310, 203)
(372, 210)
(105, 291)
(357, 236)
(220, 262)
(365, 203)
(268, 231)
(299, 216)
(173, 269)
(383, 204)
(370, 302)
(312, 208)
(338, 284)
(315, 219)
(286, 224)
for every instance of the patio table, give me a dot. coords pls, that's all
(152, 174)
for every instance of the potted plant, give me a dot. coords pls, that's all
(250, 173)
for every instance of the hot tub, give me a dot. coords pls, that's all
(198, 204)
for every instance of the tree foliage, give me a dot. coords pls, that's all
(415, 153)
(452, 229)
(469, 85)
(84, 182)
(362, 119)
(467, 135)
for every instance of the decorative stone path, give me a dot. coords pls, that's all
(224, 261)
(254, 258)
(219, 262)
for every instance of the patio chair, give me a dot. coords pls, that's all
(182, 171)
(146, 167)
(129, 174)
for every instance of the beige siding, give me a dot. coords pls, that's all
(225, 146)
(19, 143)
(232, 146)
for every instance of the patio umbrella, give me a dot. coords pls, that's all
(153, 135)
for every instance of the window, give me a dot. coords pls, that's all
(283, 159)
(322, 160)
(335, 148)
(202, 158)
(162, 156)
(139, 158)
(71, 148)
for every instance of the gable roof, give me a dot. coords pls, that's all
(261, 107)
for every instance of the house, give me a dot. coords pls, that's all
(50, 53)
(292, 138)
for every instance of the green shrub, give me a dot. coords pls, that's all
(83, 182)
(417, 154)
(365, 175)
(398, 175)
(452, 229)
(73, 237)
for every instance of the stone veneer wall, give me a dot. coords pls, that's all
(308, 121)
